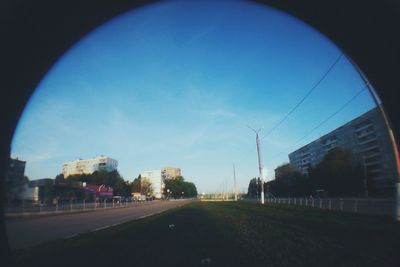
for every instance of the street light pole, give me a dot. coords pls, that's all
(234, 182)
(259, 162)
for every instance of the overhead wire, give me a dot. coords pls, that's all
(326, 73)
(305, 96)
(303, 99)
(325, 120)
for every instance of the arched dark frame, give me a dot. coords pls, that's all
(34, 34)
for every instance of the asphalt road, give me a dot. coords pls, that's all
(28, 232)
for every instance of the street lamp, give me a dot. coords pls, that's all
(260, 170)
(168, 193)
(182, 194)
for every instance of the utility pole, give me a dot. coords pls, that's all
(226, 188)
(234, 182)
(259, 162)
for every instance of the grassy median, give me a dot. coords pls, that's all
(230, 234)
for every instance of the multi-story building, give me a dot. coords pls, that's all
(367, 137)
(14, 178)
(16, 172)
(156, 180)
(171, 172)
(88, 166)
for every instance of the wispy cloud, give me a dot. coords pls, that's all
(220, 112)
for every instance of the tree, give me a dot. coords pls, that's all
(190, 189)
(179, 178)
(59, 178)
(136, 184)
(102, 177)
(122, 188)
(146, 187)
(284, 171)
(338, 173)
(288, 182)
(253, 190)
(173, 187)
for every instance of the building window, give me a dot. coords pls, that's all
(363, 123)
(373, 159)
(365, 131)
(369, 144)
(373, 167)
(372, 151)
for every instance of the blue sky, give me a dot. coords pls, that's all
(177, 83)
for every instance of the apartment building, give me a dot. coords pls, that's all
(171, 172)
(366, 136)
(88, 166)
(156, 180)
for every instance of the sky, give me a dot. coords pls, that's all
(178, 84)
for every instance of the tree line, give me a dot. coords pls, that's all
(70, 185)
(177, 188)
(124, 188)
(339, 174)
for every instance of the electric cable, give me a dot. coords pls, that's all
(305, 96)
(325, 120)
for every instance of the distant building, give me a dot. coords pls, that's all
(14, 179)
(37, 190)
(171, 172)
(366, 136)
(16, 172)
(29, 192)
(156, 181)
(88, 166)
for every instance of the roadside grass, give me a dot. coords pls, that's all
(230, 234)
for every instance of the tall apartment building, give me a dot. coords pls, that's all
(366, 136)
(14, 178)
(171, 172)
(156, 180)
(88, 166)
(15, 173)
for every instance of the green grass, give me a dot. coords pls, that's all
(230, 234)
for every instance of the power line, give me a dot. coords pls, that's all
(301, 101)
(305, 97)
(325, 120)
(333, 114)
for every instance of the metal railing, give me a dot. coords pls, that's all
(72, 205)
(384, 206)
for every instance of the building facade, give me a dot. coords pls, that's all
(171, 172)
(16, 172)
(156, 180)
(14, 179)
(88, 166)
(366, 136)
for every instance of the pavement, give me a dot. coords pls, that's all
(32, 231)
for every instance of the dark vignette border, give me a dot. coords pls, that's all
(34, 34)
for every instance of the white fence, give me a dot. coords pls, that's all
(29, 208)
(356, 205)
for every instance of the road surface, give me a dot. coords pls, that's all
(28, 232)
